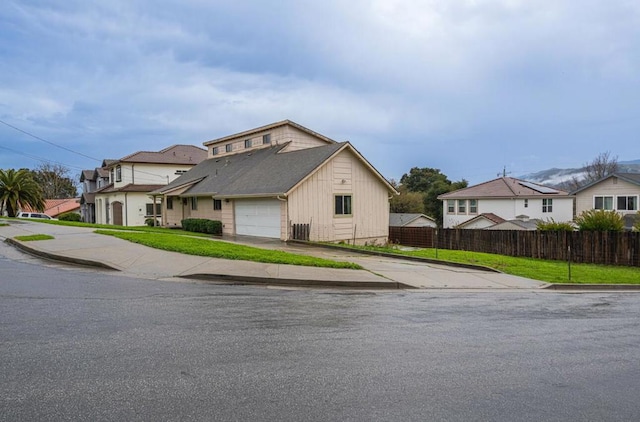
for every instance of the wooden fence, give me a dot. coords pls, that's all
(611, 248)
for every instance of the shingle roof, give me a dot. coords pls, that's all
(258, 172)
(633, 178)
(486, 216)
(129, 188)
(503, 187)
(87, 175)
(402, 219)
(175, 154)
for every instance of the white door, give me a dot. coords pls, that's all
(258, 217)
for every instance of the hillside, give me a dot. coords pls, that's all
(555, 176)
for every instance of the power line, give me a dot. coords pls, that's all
(48, 142)
(35, 157)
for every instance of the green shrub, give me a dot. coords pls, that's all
(202, 225)
(69, 216)
(151, 222)
(555, 226)
(600, 220)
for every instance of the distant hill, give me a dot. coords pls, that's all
(555, 177)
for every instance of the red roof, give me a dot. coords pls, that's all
(55, 207)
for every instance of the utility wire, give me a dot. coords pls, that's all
(35, 157)
(48, 142)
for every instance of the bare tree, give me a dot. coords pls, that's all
(54, 180)
(601, 166)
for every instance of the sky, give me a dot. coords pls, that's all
(470, 87)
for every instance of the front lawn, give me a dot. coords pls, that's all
(175, 242)
(537, 269)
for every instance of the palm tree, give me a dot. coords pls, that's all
(17, 189)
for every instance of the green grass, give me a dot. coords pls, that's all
(34, 237)
(3, 224)
(216, 249)
(537, 269)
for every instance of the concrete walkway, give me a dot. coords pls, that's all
(82, 246)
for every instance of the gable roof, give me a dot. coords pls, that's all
(633, 178)
(402, 219)
(504, 187)
(250, 132)
(175, 154)
(531, 224)
(489, 216)
(54, 207)
(87, 175)
(260, 172)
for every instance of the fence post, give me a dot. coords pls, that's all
(436, 243)
(569, 260)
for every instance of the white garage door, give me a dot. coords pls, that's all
(258, 217)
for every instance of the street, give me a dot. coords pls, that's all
(81, 344)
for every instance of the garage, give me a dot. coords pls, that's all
(258, 217)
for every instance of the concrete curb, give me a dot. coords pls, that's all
(592, 287)
(272, 281)
(399, 256)
(55, 257)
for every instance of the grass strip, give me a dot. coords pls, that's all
(536, 269)
(34, 237)
(216, 249)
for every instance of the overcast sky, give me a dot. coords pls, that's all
(466, 86)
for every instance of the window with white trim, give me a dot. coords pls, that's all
(473, 206)
(118, 173)
(547, 205)
(627, 203)
(462, 206)
(526, 203)
(603, 202)
(451, 206)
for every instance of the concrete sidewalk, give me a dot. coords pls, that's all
(82, 246)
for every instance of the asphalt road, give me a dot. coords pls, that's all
(88, 345)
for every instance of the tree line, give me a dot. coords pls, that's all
(25, 187)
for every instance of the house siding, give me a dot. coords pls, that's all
(313, 202)
(607, 187)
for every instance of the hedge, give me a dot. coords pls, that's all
(69, 216)
(202, 225)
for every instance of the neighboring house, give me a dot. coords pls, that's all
(521, 222)
(410, 220)
(615, 192)
(266, 181)
(55, 207)
(505, 198)
(92, 180)
(125, 200)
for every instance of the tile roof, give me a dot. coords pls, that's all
(503, 187)
(175, 154)
(54, 207)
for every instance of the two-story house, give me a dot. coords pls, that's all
(125, 201)
(272, 179)
(92, 180)
(503, 199)
(615, 192)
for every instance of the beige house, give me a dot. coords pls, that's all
(616, 192)
(125, 200)
(411, 220)
(283, 181)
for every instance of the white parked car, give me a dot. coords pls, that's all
(34, 215)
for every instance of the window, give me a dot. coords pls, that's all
(547, 205)
(247, 143)
(215, 151)
(113, 176)
(217, 204)
(150, 209)
(462, 206)
(603, 202)
(343, 204)
(179, 172)
(526, 203)
(473, 206)
(118, 174)
(169, 202)
(194, 203)
(228, 147)
(266, 139)
(627, 203)
(451, 206)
